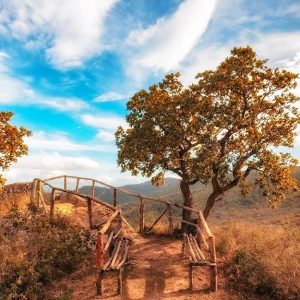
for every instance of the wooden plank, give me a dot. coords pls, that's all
(204, 224)
(108, 241)
(108, 222)
(90, 213)
(142, 215)
(114, 258)
(121, 254)
(198, 257)
(213, 268)
(202, 238)
(190, 249)
(158, 219)
(197, 249)
(108, 263)
(118, 232)
(124, 256)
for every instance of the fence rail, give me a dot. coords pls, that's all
(204, 236)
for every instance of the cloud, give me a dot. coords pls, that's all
(165, 44)
(69, 31)
(58, 141)
(109, 97)
(15, 91)
(109, 122)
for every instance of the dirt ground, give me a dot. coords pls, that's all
(158, 272)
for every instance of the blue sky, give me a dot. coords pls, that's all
(68, 67)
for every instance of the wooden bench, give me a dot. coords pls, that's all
(191, 250)
(114, 258)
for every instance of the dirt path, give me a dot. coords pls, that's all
(158, 273)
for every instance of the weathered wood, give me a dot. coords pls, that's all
(118, 232)
(100, 251)
(198, 256)
(202, 238)
(93, 189)
(190, 249)
(32, 194)
(37, 194)
(197, 249)
(108, 242)
(142, 216)
(120, 283)
(183, 248)
(90, 213)
(65, 182)
(124, 256)
(115, 197)
(43, 202)
(99, 280)
(108, 222)
(108, 263)
(183, 221)
(204, 224)
(77, 185)
(213, 268)
(190, 277)
(52, 202)
(114, 258)
(156, 221)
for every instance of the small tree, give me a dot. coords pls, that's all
(12, 145)
(216, 131)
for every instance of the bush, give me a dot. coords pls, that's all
(261, 259)
(35, 250)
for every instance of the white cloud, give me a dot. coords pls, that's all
(106, 136)
(70, 30)
(109, 122)
(165, 44)
(17, 91)
(109, 96)
(57, 141)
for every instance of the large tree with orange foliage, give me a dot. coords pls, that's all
(216, 131)
(12, 144)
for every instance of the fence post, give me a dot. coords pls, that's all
(99, 263)
(32, 195)
(115, 197)
(213, 260)
(65, 182)
(142, 213)
(200, 228)
(89, 204)
(77, 184)
(93, 189)
(52, 201)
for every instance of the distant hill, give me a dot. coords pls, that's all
(234, 205)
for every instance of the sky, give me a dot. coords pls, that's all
(68, 67)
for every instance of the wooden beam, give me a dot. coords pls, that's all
(65, 182)
(52, 202)
(90, 213)
(190, 277)
(213, 268)
(108, 222)
(93, 189)
(171, 225)
(100, 252)
(204, 224)
(77, 185)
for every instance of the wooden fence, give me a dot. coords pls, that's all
(204, 236)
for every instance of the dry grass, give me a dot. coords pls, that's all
(261, 259)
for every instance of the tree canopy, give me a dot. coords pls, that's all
(12, 144)
(216, 131)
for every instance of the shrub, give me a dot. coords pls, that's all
(261, 259)
(35, 250)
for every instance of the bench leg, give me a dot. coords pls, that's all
(120, 282)
(190, 277)
(99, 282)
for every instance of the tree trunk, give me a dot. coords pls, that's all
(187, 201)
(211, 200)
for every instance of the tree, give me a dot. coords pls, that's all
(12, 145)
(216, 131)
